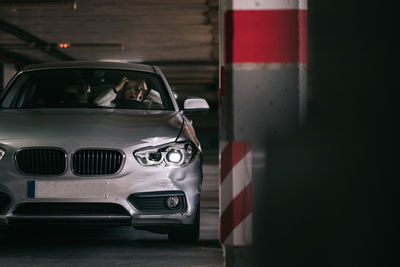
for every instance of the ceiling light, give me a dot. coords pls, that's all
(64, 45)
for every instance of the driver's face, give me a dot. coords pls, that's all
(134, 90)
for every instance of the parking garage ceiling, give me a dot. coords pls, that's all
(181, 36)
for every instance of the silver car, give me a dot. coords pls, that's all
(79, 146)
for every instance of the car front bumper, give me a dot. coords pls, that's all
(114, 190)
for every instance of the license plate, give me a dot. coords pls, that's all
(67, 189)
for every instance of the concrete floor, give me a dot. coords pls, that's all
(121, 246)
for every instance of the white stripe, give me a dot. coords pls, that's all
(237, 179)
(303, 4)
(264, 66)
(264, 4)
(242, 235)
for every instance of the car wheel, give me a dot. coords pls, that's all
(187, 233)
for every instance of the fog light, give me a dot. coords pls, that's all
(172, 202)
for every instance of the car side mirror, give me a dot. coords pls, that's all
(195, 105)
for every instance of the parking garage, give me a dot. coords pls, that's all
(297, 144)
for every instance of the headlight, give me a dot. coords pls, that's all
(2, 153)
(173, 154)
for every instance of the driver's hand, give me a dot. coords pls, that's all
(139, 96)
(121, 84)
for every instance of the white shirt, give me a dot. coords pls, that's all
(106, 98)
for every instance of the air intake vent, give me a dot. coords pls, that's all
(71, 209)
(41, 161)
(96, 162)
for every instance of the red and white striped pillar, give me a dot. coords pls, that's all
(263, 67)
(236, 200)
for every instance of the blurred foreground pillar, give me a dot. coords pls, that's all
(262, 101)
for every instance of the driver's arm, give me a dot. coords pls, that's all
(105, 99)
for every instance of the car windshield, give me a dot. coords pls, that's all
(87, 88)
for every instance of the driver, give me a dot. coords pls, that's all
(108, 98)
(132, 94)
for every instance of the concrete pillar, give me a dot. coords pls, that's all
(8, 71)
(262, 101)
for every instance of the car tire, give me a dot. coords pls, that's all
(188, 233)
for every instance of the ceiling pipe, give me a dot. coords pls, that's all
(36, 42)
(39, 3)
(91, 46)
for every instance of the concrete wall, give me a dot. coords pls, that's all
(7, 71)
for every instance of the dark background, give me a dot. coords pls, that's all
(332, 193)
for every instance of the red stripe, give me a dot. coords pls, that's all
(265, 36)
(303, 36)
(231, 155)
(235, 213)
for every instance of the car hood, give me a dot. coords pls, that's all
(106, 125)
